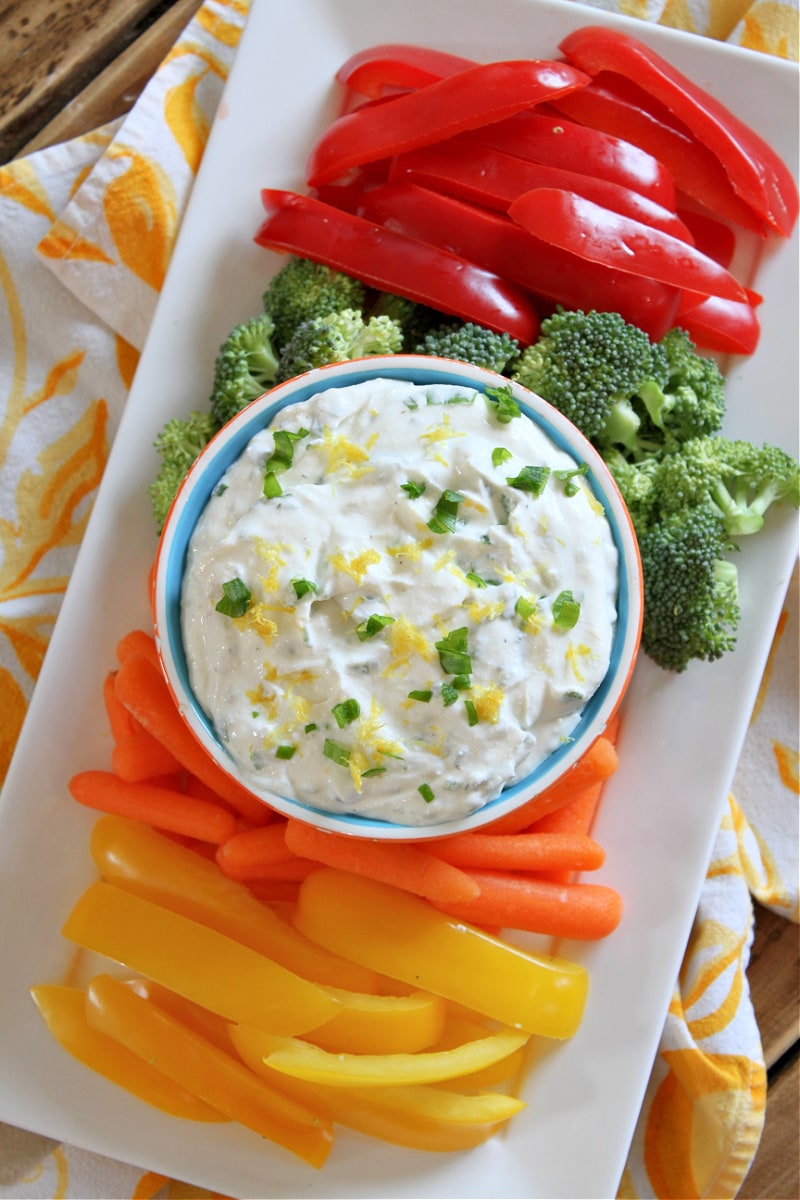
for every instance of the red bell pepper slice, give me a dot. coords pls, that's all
(496, 243)
(727, 326)
(614, 106)
(465, 167)
(756, 172)
(713, 237)
(377, 69)
(597, 234)
(557, 142)
(393, 262)
(471, 98)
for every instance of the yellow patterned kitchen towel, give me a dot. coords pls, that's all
(99, 215)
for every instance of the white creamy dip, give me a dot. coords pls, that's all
(391, 525)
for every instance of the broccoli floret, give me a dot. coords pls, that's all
(470, 343)
(304, 290)
(245, 367)
(635, 481)
(739, 479)
(691, 591)
(589, 365)
(178, 445)
(414, 319)
(338, 337)
(692, 401)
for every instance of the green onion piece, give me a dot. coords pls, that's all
(502, 403)
(423, 696)
(453, 655)
(530, 479)
(445, 514)
(283, 449)
(566, 610)
(568, 476)
(500, 455)
(449, 694)
(461, 682)
(236, 597)
(426, 791)
(373, 624)
(524, 607)
(272, 488)
(336, 752)
(284, 752)
(346, 711)
(476, 580)
(312, 725)
(303, 586)
(472, 712)
(372, 772)
(413, 488)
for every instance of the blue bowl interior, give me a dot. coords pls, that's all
(230, 444)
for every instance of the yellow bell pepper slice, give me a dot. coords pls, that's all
(401, 935)
(221, 1080)
(367, 1024)
(138, 859)
(196, 962)
(416, 1116)
(458, 1029)
(304, 1060)
(200, 1020)
(64, 1012)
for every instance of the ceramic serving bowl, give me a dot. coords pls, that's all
(226, 447)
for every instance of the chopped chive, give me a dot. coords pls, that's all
(476, 580)
(461, 682)
(272, 488)
(413, 488)
(426, 791)
(449, 694)
(472, 712)
(312, 725)
(236, 597)
(453, 655)
(568, 477)
(423, 696)
(566, 610)
(372, 772)
(336, 752)
(502, 403)
(303, 586)
(524, 607)
(285, 752)
(283, 449)
(445, 513)
(530, 479)
(500, 455)
(346, 712)
(373, 624)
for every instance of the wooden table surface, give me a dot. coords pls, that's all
(67, 66)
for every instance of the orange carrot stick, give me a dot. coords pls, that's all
(406, 866)
(575, 817)
(243, 855)
(598, 763)
(583, 911)
(165, 809)
(288, 870)
(120, 720)
(138, 641)
(143, 690)
(138, 756)
(275, 891)
(521, 851)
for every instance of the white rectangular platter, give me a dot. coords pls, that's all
(682, 733)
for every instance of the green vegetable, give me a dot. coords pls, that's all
(244, 369)
(502, 404)
(282, 455)
(414, 320)
(453, 652)
(500, 455)
(178, 445)
(423, 696)
(426, 791)
(470, 343)
(346, 712)
(445, 513)
(566, 610)
(530, 479)
(236, 597)
(373, 624)
(272, 487)
(303, 586)
(413, 488)
(285, 752)
(471, 711)
(337, 337)
(336, 752)
(303, 291)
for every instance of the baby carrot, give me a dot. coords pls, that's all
(244, 855)
(575, 818)
(143, 690)
(582, 911)
(120, 720)
(598, 763)
(405, 866)
(158, 806)
(138, 756)
(521, 851)
(138, 641)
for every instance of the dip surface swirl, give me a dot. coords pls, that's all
(424, 601)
